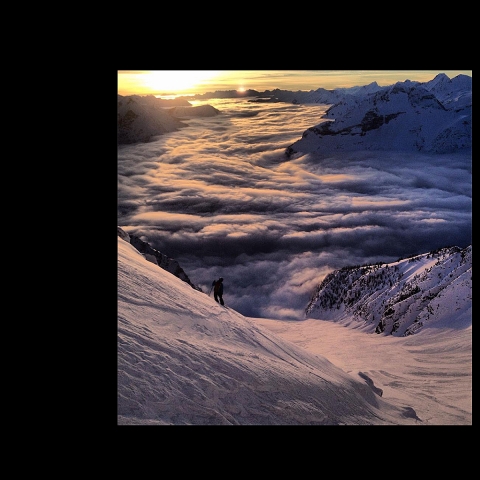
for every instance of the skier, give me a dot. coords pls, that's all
(218, 291)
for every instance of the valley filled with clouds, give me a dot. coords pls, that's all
(221, 197)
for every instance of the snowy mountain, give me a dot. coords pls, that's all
(430, 117)
(381, 344)
(399, 298)
(321, 95)
(140, 118)
(455, 93)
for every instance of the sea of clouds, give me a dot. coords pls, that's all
(221, 198)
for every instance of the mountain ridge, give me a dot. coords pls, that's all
(398, 298)
(431, 117)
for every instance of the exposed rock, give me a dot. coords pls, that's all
(156, 257)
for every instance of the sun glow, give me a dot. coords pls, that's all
(170, 81)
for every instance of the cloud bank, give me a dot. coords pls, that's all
(221, 198)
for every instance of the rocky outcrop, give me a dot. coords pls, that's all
(156, 257)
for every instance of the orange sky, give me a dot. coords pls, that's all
(185, 82)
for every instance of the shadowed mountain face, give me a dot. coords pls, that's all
(141, 118)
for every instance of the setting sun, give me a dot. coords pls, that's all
(165, 81)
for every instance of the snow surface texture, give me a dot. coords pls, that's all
(183, 359)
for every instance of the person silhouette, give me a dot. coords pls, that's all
(218, 291)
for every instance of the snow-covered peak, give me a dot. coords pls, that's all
(141, 118)
(407, 116)
(441, 78)
(455, 93)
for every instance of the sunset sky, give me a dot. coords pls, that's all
(187, 82)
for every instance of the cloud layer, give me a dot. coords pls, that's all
(222, 199)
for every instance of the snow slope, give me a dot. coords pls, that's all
(185, 360)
